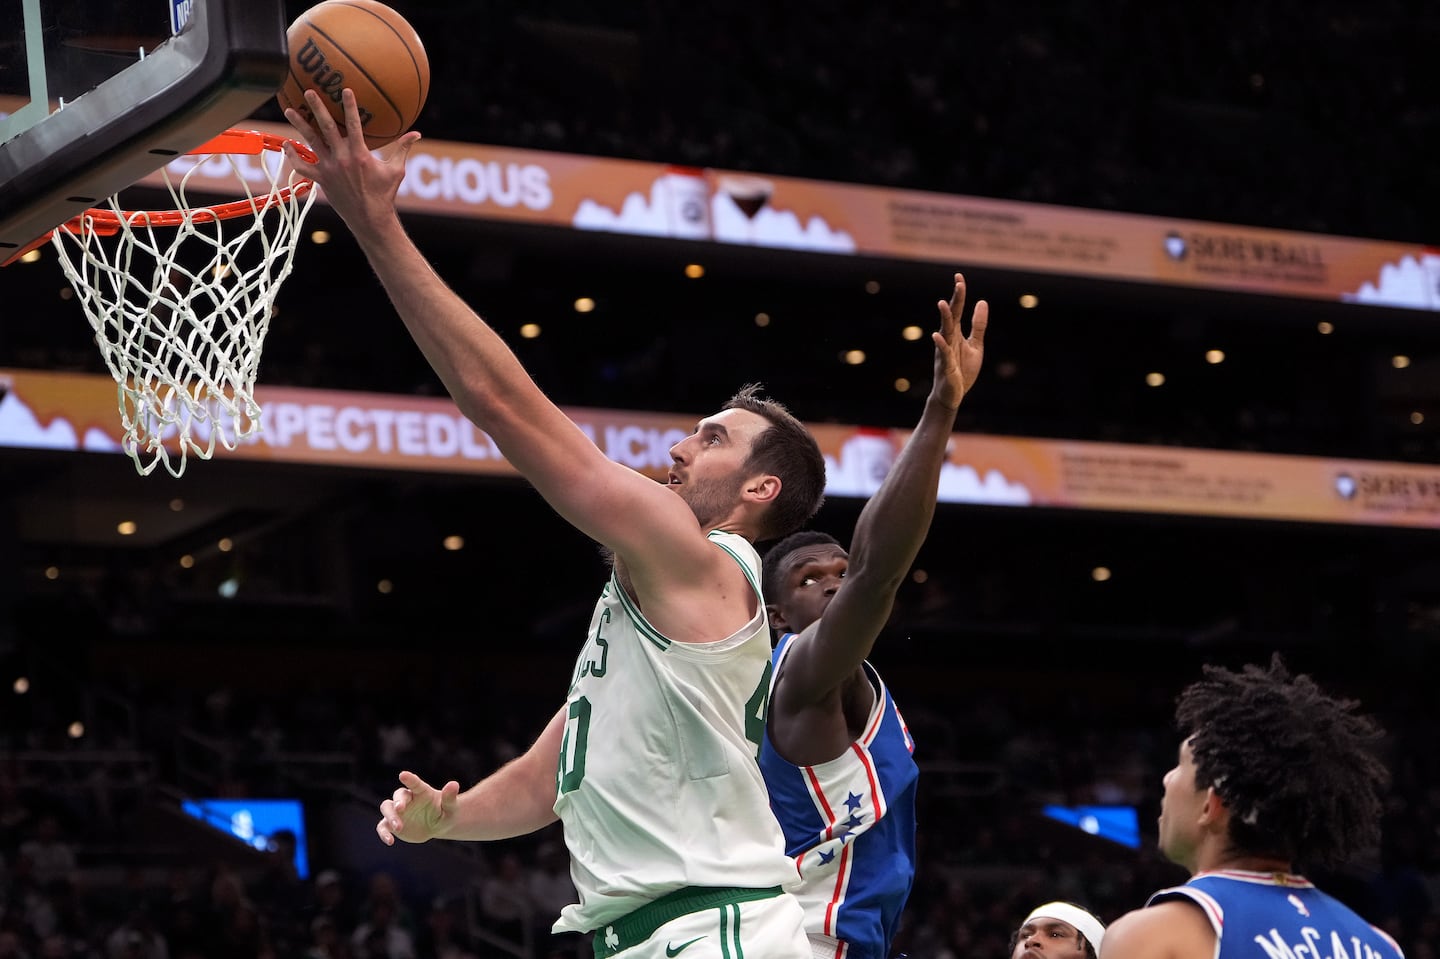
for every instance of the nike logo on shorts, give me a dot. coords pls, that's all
(673, 951)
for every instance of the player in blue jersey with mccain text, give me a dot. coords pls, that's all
(836, 755)
(1271, 772)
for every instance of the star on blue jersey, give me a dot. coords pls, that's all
(828, 812)
(843, 829)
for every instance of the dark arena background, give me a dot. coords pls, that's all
(275, 630)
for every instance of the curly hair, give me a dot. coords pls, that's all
(788, 451)
(771, 566)
(1295, 766)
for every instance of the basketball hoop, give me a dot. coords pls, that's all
(180, 300)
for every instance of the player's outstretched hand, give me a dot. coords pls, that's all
(958, 357)
(360, 185)
(417, 811)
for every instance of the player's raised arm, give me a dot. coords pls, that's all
(835, 743)
(609, 502)
(894, 522)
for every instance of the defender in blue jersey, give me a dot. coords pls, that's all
(836, 755)
(1272, 771)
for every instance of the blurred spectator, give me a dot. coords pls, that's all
(385, 891)
(332, 902)
(396, 743)
(60, 946)
(380, 934)
(16, 816)
(184, 934)
(505, 905)
(234, 928)
(443, 935)
(551, 890)
(137, 938)
(326, 940)
(12, 946)
(267, 735)
(51, 854)
(280, 895)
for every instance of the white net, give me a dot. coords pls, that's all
(181, 300)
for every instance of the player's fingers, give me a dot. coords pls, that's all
(949, 323)
(297, 161)
(325, 127)
(978, 321)
(391, 814)
(950, 311)
(400, 149)
(302, 126)
(353, 128)
(382, 830)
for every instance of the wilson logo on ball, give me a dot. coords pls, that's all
(324, 79)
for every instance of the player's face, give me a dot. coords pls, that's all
(709, 465)
(1050, 939)
(1180, 808)
(811, 576)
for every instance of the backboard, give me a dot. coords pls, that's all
(94, 96)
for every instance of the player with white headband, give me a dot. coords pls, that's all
(1058, 930)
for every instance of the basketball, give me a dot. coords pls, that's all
(368, 47)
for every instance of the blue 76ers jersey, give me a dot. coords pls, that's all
(849, 825)
(1262, 915)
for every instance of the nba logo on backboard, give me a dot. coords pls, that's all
(180, 14)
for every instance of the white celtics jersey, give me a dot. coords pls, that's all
(658, 785)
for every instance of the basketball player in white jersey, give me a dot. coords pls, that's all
(650, 764)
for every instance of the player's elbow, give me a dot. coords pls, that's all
(486, 402)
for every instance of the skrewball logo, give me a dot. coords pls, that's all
(1256, 255)
(1391, 492)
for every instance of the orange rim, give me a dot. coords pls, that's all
(243, 142)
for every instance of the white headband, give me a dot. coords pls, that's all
(1091, 928)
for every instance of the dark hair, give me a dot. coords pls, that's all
(1295, 766)
(774, 559)
(788, 451)
(1089, 946)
